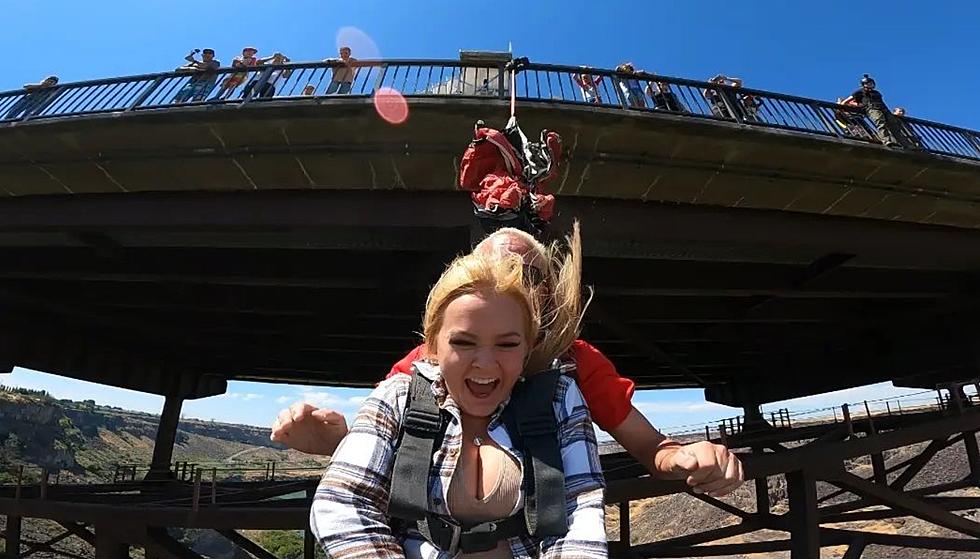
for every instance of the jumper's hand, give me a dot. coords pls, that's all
(308, 429)
(710, 468)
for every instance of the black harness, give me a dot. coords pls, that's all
(530, 421)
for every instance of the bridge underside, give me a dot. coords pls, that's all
(174, 293)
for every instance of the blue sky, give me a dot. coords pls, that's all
(923, 58)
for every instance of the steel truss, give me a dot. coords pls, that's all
(808, 523)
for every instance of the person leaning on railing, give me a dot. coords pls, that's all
(248, 59)
(629, 87)
(869, 98)
(343, 73)
(268, 89)
(37, 97)
(717, 97)
(204, 78)
(589, 85)
(664, 99)
(708, 468)
(907, 130)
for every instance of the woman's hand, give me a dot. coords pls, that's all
(307, 429)
(709, 468)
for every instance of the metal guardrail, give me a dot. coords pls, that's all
(571, 85)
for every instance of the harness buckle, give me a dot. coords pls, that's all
(445, 534)
(422, 423)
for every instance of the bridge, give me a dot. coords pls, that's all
(170, 245)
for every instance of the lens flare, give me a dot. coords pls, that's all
(361, 45)
(391, 105)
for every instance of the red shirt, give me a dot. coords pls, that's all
(607, 394)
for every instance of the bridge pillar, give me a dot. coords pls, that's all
(163, 446)
(12, 537)
(108, 546)
(804, 519)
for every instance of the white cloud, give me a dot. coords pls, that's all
(680, 407)
(323, 399)
(285, 399)
(357, 400)
(246, 396)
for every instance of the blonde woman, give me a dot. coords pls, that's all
(483, 331)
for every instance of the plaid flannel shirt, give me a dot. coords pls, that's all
(349, 514)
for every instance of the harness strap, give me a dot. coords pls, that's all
(451, 537)
(531, 422)
(422, 432)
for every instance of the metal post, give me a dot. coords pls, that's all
(888, 408)
(847, 419)
(972, 455)
(214, 485)
(273, 472)
(20, 481)
(804, 519)
(382, 73)
(196, 499)
(309, 542)
(12, 537)
(107, 546)
(723, 434)
(707, 433)
(899, 404)
(877, 458)
(624, 524)
(762, 504)
(501, 75)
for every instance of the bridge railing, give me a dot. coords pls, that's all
(571, 85)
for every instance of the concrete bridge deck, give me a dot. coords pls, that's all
(293, 240)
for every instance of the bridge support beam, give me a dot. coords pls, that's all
(163, 445)
(108, 546)
(12, 537)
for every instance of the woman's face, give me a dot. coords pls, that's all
(481, 350)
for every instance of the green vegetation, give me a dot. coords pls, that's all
(25, 391)
(285, 544)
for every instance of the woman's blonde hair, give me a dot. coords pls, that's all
(551, 325)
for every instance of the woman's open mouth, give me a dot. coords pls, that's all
(482, 387)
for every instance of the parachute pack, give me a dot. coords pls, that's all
(507, 176)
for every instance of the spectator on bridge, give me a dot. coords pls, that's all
(268, 89)
(246, 60)
(608, 395)
(718, 98)
(343, 73)
(907, 131)
(309, 89)
(204, 78)
(589, 85)
(630, 89)
(749, 105)
(664, 99)
(36, 98)
(870, 99)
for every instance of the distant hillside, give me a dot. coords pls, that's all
(85, 441)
